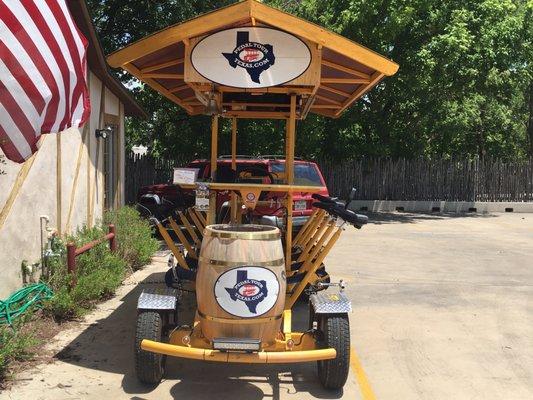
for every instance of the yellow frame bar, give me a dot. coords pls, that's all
(177, 230)
(190, 229)
(172, 246)
(262, 357)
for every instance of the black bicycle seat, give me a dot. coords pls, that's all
(324, 199)
(349, 216)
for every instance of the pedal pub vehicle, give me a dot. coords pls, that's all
(249, 60)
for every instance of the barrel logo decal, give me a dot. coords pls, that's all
(247, 291)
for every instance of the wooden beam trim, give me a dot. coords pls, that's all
(324, 106)
(179, 88)
(376, 77)
(319, 35)
(76, 176)
(350, 81)
(59, 186)
(336, 91)
(257, 105)
(155, 75)
(17, 186)
(282, 90)
(257, 114)
(338, 103)
(161, 66)
(342, 68)
(178, 32)
(156, 86)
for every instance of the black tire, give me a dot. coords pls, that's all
(149, 367)
(335, 331)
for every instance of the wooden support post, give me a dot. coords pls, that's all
(59, 184)
(71, 263)
(211, 215)
(234, 167)
(289, 173)
(112, 239)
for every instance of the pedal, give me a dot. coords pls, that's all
(340, 284)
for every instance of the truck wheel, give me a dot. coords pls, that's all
(149, 366)
(336, 334)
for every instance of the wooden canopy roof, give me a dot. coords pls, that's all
(347, 70)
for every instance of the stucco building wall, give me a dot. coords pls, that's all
(70, 199)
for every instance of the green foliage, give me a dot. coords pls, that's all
(16, 343)
(465, 84)
(99, 271)
(134, 236)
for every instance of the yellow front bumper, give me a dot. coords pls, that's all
(262, 357)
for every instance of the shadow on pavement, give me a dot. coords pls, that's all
(108, 346)
(410, 218)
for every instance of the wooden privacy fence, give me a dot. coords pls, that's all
(421, 179)
(147, 170)
(456, 179)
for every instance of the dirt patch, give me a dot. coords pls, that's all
(43, 329)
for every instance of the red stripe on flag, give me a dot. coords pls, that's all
(22, 78)
(48, 36)
(17, 114)
(8, 148)
(80, 89)
(24, 39)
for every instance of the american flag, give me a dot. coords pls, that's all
(43, 72)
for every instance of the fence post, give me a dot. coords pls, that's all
(71, 263)
(113, 239)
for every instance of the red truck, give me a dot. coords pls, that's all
(162, 199)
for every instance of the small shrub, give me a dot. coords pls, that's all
(16, 344)
(134, 236)
(99, 273)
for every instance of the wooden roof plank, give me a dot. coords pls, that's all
(159, 66)
(156, 75)
(342, 68)
(133, 70)
(336, 91)
(179, 32)
(317, 34)
(376, 77)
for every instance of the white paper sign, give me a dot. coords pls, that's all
(251, 57)
(185, 175)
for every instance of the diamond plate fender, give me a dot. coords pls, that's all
(330, 303)
(158, 299)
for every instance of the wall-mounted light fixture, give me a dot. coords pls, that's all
(103, 133)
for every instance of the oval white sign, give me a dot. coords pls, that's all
(251, 57)
(247, 292)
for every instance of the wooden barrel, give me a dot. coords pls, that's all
(241, 283)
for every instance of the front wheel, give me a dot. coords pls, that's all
(149, 366)
(335, 331)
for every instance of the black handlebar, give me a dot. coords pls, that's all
(337, 210)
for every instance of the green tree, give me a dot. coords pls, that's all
(464, 86)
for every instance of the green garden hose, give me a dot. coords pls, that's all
(20, 301)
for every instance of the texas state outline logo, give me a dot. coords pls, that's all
(254, 57)
(247, 291)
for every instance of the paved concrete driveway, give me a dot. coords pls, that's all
(443, 309)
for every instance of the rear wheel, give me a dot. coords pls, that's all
(149, 366)
(335, 330)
